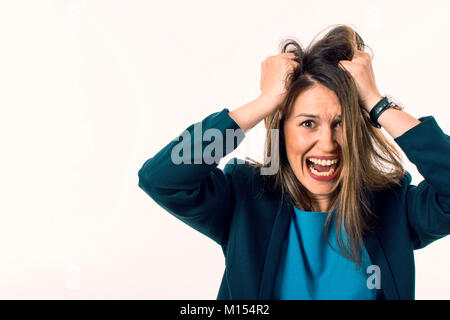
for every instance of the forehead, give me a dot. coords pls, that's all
(318, 100)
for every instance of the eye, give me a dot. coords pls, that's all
(307, 124)
(339, 124)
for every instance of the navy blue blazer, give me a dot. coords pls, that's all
(228, 207)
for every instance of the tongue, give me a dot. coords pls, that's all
(320, 168)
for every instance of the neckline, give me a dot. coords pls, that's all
(297, 210)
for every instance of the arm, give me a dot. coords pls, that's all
(395, 122)
(428, 204)
(183, 179)
(252, 113)
(425, 145)
(188, 184)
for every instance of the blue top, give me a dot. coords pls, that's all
(311, 270)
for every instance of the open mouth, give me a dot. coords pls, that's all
(323, 169)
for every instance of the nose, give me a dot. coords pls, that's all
(327, 140)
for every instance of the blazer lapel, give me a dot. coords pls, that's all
(376, 253)
(279, 230)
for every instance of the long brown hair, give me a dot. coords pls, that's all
(369, 161)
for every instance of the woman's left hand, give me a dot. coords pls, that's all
(361, 70)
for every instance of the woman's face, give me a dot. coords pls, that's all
(313, 139)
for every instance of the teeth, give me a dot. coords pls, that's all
(323, 162)
(323, 174)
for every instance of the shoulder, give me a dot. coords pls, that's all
(393, 192)
(404, 182)
(240, 168)
(244, 175)
(249, 180)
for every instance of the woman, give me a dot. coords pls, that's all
(336, 216)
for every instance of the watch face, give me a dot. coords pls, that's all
(396, 104)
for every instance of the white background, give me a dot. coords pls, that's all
(89, 90)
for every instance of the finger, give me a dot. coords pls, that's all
(289, 55)
(345, 66)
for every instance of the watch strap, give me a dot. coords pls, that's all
(377, 110)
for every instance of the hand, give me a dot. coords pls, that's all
(361, 70)
(274, 72)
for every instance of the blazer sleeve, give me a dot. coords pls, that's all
(183, 177)
(428, 203)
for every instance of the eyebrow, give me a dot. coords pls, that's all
(314, 116)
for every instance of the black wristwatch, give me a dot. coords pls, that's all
(385, 103)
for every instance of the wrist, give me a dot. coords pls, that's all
(269, 102)
(372, 101)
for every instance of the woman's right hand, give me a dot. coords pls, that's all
(274, 72)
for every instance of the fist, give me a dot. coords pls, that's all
(274, 75)
(360, 68)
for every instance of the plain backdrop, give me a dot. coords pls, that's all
(89, 90)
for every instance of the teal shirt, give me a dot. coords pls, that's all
(311, 270)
